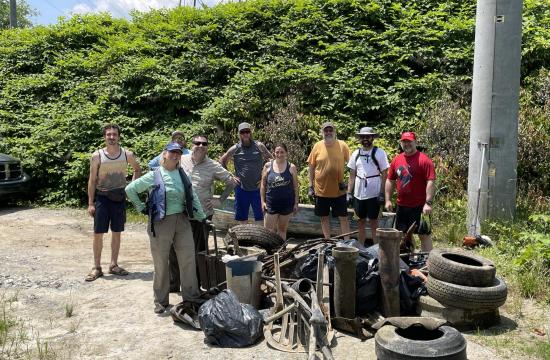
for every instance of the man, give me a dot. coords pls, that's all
(248, 157)
(368, 170)
(327, 162)
(177, 137)
(415, 175)
(106, 197)
(203, 171)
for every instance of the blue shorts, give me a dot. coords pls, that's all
(243, 200)
(109, 212)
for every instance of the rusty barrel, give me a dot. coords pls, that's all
(389, 240)
(344, 281)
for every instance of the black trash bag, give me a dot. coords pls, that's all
(308, 268)
(367, 293)
(228, 323)
(410, 289)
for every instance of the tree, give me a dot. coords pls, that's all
(24, 12)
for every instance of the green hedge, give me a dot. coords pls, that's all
(354, 62)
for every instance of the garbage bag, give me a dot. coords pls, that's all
(410, 289)
(228, 323)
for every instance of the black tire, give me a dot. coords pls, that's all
(416, 342)
(254, 235)
(468, 297)
(459, 267)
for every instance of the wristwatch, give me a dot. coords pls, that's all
(429, 202)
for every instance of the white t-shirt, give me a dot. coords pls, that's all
(365, 167)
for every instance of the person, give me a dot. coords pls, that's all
(172, 202)
(368, 170)
(202, 171)
(327, 161)
(106, 198)
(279, 191)
(177, 137)
(414, 173)
(248, 157)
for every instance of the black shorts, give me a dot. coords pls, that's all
(339, 206)
(406, 216)
(368, 208)
(109, 212)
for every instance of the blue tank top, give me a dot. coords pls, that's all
(280, 188)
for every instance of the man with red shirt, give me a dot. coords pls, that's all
(415, 175)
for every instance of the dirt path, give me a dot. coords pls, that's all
(44, 256)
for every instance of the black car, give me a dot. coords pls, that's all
(13, 180)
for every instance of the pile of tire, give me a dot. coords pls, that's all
(463, 280)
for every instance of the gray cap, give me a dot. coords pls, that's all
(367, 131)
(178, 132)
(244, 126)
(327, 124)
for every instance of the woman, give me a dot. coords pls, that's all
(279, 191)
(170, 200)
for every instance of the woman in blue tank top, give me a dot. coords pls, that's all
(279, 191)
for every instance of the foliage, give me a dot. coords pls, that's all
(24, 12)
(377, 62)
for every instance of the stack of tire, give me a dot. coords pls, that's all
(463, 280)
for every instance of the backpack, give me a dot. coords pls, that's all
(374, 160)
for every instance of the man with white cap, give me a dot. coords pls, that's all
(327, 162)
(248, 157)
(368, 170)
(414, 173)
(177, 137)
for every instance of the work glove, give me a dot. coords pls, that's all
(381, 199)
(349, 199)
(311, 192)
(425, 227)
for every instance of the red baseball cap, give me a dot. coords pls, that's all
(408, 135)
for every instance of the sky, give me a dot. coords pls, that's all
(50, 10)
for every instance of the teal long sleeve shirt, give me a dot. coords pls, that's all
(175, 193)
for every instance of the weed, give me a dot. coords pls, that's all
(73, 327)
(69, 308)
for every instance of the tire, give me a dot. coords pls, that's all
(416, 342)
(254, 235)
(459, 267)
(468, 297)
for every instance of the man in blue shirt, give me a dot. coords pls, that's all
(177, 137)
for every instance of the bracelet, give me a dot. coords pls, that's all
(429, 202)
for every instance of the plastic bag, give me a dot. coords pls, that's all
(228, 323)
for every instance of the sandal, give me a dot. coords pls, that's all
(117, 270)
(94, 274)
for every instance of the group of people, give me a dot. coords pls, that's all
(180, 194)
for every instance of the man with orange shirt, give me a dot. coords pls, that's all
(414, 173)
(327, 162)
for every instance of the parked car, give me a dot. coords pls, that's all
(13, 180)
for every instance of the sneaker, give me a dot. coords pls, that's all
(159, 309)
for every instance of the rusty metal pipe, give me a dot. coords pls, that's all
(389, 240)
(344, 281)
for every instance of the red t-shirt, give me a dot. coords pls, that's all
(412, 174)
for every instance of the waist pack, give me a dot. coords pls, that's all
(117, 195)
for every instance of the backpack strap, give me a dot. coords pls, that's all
(188, 187)
(374, 160)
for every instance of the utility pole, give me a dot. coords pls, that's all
(495, 107)
(13, 14)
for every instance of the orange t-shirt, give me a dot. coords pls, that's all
(329, 162)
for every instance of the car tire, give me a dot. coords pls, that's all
(254, 235)
(416, 342)
(468, 297)
(459, 267)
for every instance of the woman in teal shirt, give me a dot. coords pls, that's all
(174, 228)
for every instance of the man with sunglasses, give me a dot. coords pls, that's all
(177, 137)
(248, 157)
(327, 162)
(368, 170)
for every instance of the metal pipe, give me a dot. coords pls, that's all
(389, 240)
(344, 281)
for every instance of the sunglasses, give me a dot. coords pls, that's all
(366, 136)
(244, 132)
(203, 143)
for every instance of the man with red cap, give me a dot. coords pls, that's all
(414, 173)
